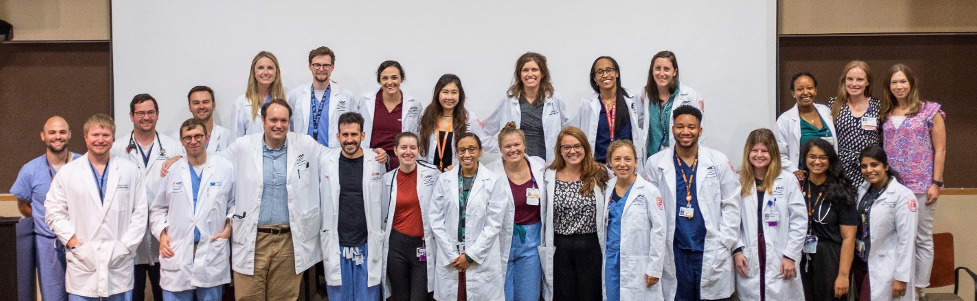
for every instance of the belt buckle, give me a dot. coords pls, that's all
(276, 231)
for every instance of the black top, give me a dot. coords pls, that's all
(827, 216)
(352, 213)
(531, 123)
(759, 205)
(448, 150)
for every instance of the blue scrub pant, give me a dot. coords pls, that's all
(127, 296)
(202, 293)
(688, 273)
(524, 272)
(50, 268)
(355, 278)
(612, 272)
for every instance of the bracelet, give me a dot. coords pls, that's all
(938, 183)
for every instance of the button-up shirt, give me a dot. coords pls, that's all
(274, 196)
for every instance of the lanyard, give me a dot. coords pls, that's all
(463, 202)
(611, 117)
(317, 107)
(443, 142)
(817, 200)
(145, 155)
(50, 171)
(100, 182)
(688, 181)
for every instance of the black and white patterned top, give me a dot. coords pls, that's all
(575, 214)
(852, 137)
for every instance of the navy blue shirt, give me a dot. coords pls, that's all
(690, 233)
(604, 133)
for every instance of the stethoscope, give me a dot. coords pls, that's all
(132, 145)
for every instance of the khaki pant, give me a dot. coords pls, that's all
(274, 271)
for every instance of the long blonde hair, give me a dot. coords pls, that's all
(890, 102)
(276, 90)
(747, 175)
(842, 99)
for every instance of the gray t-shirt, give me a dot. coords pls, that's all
(532, 125)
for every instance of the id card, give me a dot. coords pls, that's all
(422, 254)
(811, 244)
(859, 247)
(771, 217)
(831, 140)
(532, 196)
(460, 247)
(869, 123)
(686, 212)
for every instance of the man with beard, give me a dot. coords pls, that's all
(147, 149)
(352, 248)
(97, 209)
(30, 188)
(701, 195)
(317, 104)
(202, 105)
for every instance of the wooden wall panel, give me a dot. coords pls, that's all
(943, 63)
(39, 80)
(876, 16)
(56, 20)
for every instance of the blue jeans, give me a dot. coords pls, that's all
(127, 296)
(355, 280)
(202, 293)
(524, 272)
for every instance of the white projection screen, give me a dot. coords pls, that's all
(726, 50)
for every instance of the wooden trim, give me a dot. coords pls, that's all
(7, 197)
(880, 34)
(55, 41)
(959, 191)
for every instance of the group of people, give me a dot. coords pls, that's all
(390, 197)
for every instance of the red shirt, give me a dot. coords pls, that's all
(386, 126)
(407, 215)
(525, 214)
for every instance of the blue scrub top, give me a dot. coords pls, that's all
(32, 184)
(604, 133)
(690, 233)
(612, 259)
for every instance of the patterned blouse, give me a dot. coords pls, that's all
(575, 214)
(910, 147)
(853, 137)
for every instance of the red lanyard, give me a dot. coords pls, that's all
(611, 115)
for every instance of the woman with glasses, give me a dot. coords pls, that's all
(575, 183)
(469, 208)
(663, 94)
(829, 245)
(389, 111)
(445, 119)
(805, 121)
(610, 113)
(264, 84)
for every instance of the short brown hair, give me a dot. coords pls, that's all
(322, 50)
(99, 119)
(202, 88)
(276, 101)
(192, 123)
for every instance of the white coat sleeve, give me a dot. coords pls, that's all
(656, 216)
(160, 208)
(494, 123)
(906, 234)
(782, 134)
(238, 120)
(564, 117)
(231, 200)
(742, 238)
(650, 172)
(730, 193)
(489, 142)
(439, 213)
(797, 212)
(56, 209)
(367, 122)
(139, 218)
(495, 215)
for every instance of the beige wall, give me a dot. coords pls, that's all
(877, 16)
(54, 20)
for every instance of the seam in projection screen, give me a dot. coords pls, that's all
(726, 50)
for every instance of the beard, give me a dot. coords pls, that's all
(57, 150)
(353, 151)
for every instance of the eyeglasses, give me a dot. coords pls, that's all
(608, 71)
(470, 150)
(142, 114)
(817, 158)
(321, 66)
(576, 147)
(197, 137)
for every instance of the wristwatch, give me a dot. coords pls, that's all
(938, 183)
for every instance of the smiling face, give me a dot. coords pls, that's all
(873, 171)
(686, 130)
(99, 140)
(468, 153)
(350, 135)
(623, 162)
(572, 150)
(804, 91)
(202, 105)
(530, 75)
(390, 80)
(449, 97)
(513, 148)
(275, 122)
(55, 134)
(321, 67)
(605, 75)
(189, 139)
(407, 151)
(664, 72)
(856, 81)
(899, 85)
(265, 71)
(759, 156)
(144, 116)
(817, 161)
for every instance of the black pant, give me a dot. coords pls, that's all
(577, 267)
(820, 271)
(407, 274)
(139, 290)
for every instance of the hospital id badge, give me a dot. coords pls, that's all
(532, 196)
(830, 140)
(460, 247)
(686, 212)
(771, 217)
(422, 254)
(869, 123)
(859, 247)
(810, 244)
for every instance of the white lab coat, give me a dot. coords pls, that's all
(241, 122)
(589, 114)
(547, 247)
(489, 142)
(302, 185)
(108, 231)
(484, 216)
(427, 176)
(538, 167)
(892, 227)
(329, 239)
(410, 115)
(148, 251)
(340, 101)
(220, 138)
(555, 117)
(718, 190)
(786, 239)
(642, 240)
(174, 210)
(788, 135)
(686, 96)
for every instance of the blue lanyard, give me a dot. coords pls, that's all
(145, 154)
(317, 107)
(100, 182)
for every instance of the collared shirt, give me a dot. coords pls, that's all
(659, 116)
(690, 233)
(32, 184)
(274, 196)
